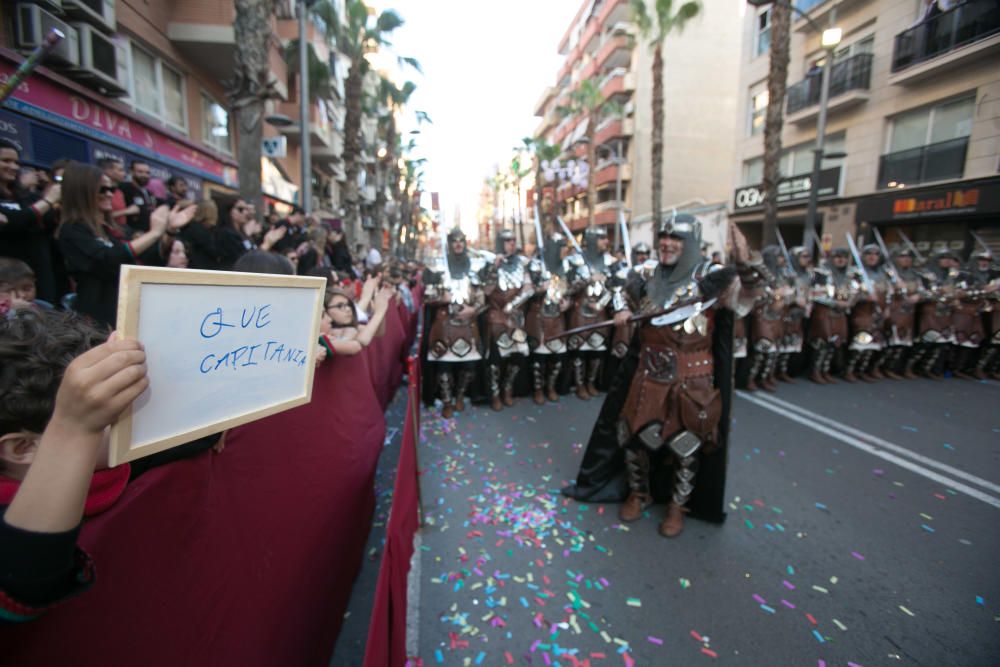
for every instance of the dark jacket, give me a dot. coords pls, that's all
(94, 263)
(27, 236)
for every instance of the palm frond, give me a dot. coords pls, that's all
(388, 21)
(412, 62)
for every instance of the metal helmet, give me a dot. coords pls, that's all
(552, 253)
(502, 237)
(771, 255)
(682, 226)
(641, 248)
(904, 252)
(840, 252)
(456, 234)
(592, 236)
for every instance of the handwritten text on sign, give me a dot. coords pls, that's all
(214, 351)
(215, 324)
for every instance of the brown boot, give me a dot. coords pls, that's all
(673, 522)
(769, 384)
(496, 403)
(892, 375)
(553, 395)
(582, 393)
(785, 377)
(867, 377)
(592, 390)
(876, 374)
(751, 385)
(508, 397)
(818, 377)
(459, 404)
(849, 376)
(633, 507)
(910, 375)
(447, 411)
(829, 378)
(538, 397)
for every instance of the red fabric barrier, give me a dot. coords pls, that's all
(386, 646)
(241, 558)
(384, 356)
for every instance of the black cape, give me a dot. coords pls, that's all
(602, 477)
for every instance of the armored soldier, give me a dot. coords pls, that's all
(972, 292)
(904, 295)
(986, 273)
(767, 322)
(545, 319)
(454, 298)
(640, 253)
(669, 400)
(934, 326)
(594, 269)
(798, 281)
(507, 287)
(832, 292)
(867, 317)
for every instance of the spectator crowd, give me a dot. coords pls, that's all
(65, 376)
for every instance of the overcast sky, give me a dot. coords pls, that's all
(485, 64)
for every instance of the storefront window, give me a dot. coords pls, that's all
(215, 125)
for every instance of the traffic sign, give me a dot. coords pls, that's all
(274, 146)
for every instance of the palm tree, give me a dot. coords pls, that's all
(544, 153)
(250, 87)
(390, 99)
(777, 75)
(320, 75)
(587, 101)
(517, 174)
(359, 34)
(664, 20)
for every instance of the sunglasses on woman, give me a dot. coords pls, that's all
(106, 190)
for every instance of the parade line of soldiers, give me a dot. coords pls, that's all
(666, 334)
(500, 314)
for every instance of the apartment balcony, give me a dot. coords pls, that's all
(614, 129)
(329, 154)
(819, 12)
(616, 52)
(968, 32)
(942, 161)
(602, 218)
(608, 173)
(619, 81)
(543, 101)
(850, 81)
(320, 130)
(549, 121)
(204, 33)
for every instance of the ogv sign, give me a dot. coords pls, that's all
(791, 190)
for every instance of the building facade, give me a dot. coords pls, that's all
(138, 80)
(914, 106)
(701, 73)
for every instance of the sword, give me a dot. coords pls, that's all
(888, 258)
(819, 246)
(661, 318)
(53, 37)
(625, 237)
(569, 234)
(913, 248)
(789, 269)
(980, 241)
(869, 285)
(538, 232)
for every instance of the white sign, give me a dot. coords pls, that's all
(222, 349)
(274, 146)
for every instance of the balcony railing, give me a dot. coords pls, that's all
(935, 162)
(968, 22)
(855, 73)
(805, 6)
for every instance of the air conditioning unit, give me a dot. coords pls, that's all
(98, 12)
(34, 23)
(50, 5)
(100, 57)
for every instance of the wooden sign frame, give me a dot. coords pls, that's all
(129, 305)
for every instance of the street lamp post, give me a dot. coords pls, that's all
(304, 108)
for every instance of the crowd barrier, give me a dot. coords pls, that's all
(246, 557)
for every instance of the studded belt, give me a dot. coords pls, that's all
(663, 363)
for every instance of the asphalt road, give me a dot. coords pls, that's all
(862, 530)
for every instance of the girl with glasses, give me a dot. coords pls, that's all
(340, 332)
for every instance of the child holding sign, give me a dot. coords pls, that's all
(61, 387)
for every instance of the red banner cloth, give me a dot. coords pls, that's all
(241, 558)
(384, 358)
(386, 646)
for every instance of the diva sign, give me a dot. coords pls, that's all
(222, 349)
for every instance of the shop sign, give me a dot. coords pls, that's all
(15, 130)
(45, 100)
(792, 190)
(981, 198)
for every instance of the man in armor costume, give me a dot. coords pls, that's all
(507, 287)
(453, 298)
(594, 270)
(767, 322)
(670, 399)
(972, 293)
(545, 317)
(904, 295)
(640, 253)
(833, 293)
(864, 353)
(934, 315)
(799, 279)
(987, 274)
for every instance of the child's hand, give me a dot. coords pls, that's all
(100, 383)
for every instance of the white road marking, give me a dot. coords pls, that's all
(912, 466)
(875, 440)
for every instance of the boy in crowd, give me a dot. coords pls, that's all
(17, 284)
(61, 387)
